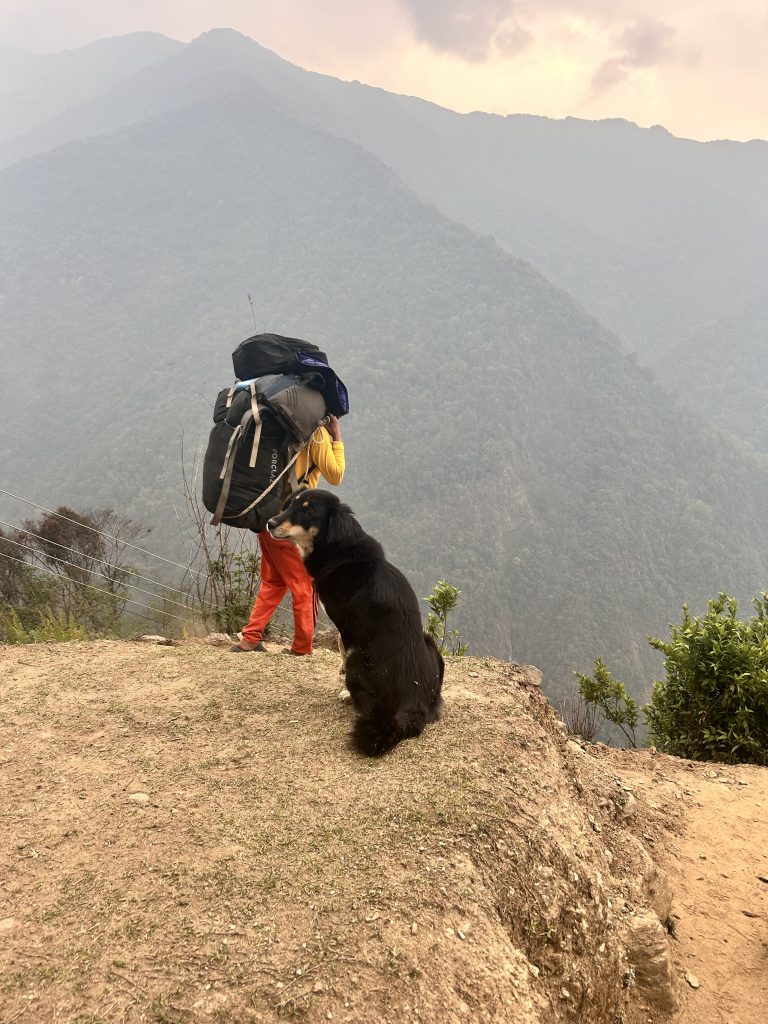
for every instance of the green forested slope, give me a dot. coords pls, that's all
(499, 437)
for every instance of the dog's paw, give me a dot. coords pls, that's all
(344, 695)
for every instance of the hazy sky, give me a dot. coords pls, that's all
(699, 67)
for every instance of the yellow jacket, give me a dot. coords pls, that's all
(325, 455)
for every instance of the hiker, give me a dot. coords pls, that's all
(282, 567)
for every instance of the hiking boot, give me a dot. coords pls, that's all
(237, 649)
(296, 654)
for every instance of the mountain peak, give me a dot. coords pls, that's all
(231, 40)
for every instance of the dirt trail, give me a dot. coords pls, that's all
(717, 858)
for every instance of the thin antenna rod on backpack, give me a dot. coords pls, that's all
(252, 312)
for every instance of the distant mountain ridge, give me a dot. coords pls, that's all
(40, 86)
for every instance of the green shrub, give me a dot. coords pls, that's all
(55, 627)
(234, 578)
(611, 699)
(12, 630)
(713, 705)
(442, 601)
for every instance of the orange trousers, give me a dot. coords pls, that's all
(282, 569)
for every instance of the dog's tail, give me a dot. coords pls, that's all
(374, 736)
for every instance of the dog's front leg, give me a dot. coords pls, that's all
(344, 694)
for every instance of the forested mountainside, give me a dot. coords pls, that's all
(499, 437)
(662, 238)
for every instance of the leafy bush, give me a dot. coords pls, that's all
(234, 579)
(611, 699)
(442, 601)
(55, 627)
(58, 627)
(12, 629)
(713, 704)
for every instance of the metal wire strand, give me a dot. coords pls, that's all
(99, 590)
(132, 572)
(93, 529)
(92, 572)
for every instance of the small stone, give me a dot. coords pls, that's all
(461, 934)
(692, 980)
(473, 675)
(139, 798)
(534, 970)
(218, 640)
(414, 928)
(534, 675)
(628, 808)
(7, 924)
(318, 986)
(762, 878)
(650, 963)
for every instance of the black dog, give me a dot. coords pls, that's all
(394, 671)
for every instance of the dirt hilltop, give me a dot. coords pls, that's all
(185, 835)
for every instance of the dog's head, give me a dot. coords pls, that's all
(306, 519)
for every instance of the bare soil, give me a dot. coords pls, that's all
(186, 835)
(716, 854)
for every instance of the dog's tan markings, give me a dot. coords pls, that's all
(301, 537)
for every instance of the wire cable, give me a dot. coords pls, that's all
(56, 544)
(92, 572)
(93, 529)
(99, 590)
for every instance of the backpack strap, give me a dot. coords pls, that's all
(300, 485)
(229, 465)
(257, 424)
(231, 393)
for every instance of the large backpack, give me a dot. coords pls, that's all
(261, 425)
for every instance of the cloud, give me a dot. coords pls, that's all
(644, 44)
(472, 29)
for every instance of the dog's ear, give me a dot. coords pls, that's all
(341, 524)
